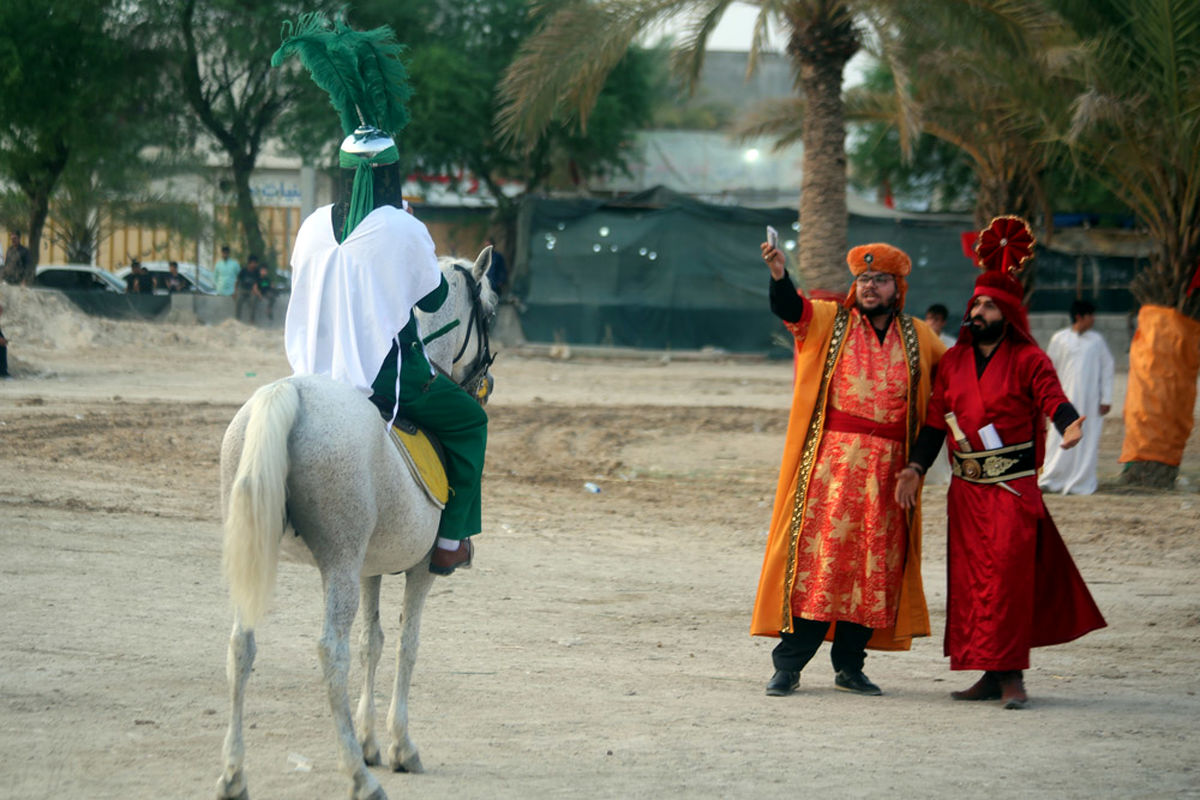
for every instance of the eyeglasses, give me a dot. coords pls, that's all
(879, 279)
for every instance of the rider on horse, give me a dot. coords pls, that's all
(359, 268)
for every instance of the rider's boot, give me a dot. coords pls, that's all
(444, 561)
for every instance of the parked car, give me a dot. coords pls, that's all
(197, 278)
(77, 277)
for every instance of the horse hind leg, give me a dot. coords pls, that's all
(240, 658)
(402, 753)
(341, 604)
(370, 649)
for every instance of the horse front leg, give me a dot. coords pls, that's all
(341, 604)
(238, 661)
(402, 753)
(370, 647)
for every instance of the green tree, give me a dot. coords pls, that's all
(1135, 126)
(578, 42)
(222, 68)
(564, 65)
(114, 190)
(70, 91)
(933, 175)
(457, 55)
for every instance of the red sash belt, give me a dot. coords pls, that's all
(837, 420)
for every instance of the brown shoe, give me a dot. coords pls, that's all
(1012, 688)
(444, 562)
(986, 688)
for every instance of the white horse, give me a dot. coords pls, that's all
(308, 470)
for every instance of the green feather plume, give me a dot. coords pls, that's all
(360, 70)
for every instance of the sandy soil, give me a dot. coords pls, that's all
(599, 647)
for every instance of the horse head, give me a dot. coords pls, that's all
(460, 346)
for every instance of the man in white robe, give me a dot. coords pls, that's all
(935, 317)
(1085, 369)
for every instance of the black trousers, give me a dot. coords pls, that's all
(796, 649)
(3, 359)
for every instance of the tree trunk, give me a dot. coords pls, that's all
(819, 49)
(247, 217)
(39, 209)
(1149, 475)
(1164, 360)
(823, 216)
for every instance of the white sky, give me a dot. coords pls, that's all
(735, 30)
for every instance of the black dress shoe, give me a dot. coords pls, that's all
(855, 682)
(783, 682)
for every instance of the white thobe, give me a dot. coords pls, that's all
(939, 471)
(350, 299)
(1085, 370)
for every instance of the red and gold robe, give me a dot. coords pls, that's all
(839, 546)
(1011, 582)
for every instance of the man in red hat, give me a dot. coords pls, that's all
(840, 552)
(1011, 582)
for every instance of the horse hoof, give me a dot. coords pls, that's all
(411, 764)
(232, 788)
(371, 755)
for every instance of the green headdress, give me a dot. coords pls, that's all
(367, 85)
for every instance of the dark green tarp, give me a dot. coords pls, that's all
(662, 270)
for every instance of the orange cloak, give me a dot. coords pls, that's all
(817, 355)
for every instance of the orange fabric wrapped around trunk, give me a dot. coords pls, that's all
(1164, 360)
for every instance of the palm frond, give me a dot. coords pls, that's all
(688, 57)
(565, 63)
(782, 120)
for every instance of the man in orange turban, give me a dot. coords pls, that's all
(841, 554)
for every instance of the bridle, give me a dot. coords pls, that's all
(476, 383)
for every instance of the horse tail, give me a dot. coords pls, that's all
(256, 515)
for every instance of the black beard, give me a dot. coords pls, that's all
(877, 312)
(986, 332)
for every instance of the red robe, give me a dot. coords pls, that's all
(1012, 584)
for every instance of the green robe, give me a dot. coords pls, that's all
(440, 406)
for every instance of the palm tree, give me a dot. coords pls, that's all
(1136, 127)
(565, 63)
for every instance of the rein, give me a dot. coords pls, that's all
(484, 357)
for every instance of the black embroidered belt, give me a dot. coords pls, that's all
(993, 466)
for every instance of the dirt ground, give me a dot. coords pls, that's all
(599, 646)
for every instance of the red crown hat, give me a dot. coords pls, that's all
(1001, 251)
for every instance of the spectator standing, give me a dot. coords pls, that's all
(264, 293)
(498, 273)
(247, 282)
(226, 271)
(174, 282)
(935, 317)
(1085, 370)
(18, 262)
(138, 281)
(3, 352)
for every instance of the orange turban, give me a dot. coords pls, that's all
(879, 257)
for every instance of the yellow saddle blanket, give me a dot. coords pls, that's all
(424, 461)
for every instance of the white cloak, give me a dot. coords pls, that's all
(1085, 369)
(350, 300)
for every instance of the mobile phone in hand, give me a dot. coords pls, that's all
(772, 236)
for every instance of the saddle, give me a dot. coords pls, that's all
(425, 459)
